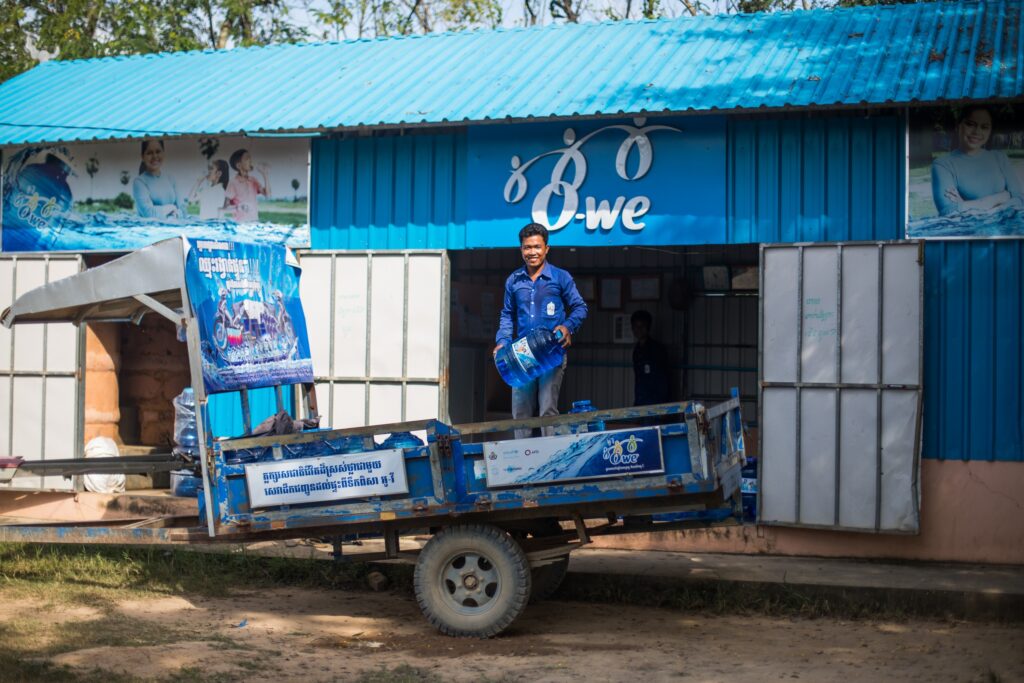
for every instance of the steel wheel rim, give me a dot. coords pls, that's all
(469, 582)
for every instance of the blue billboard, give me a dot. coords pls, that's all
(595, 183)
(252, 329)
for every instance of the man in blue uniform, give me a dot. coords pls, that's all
(539, 295)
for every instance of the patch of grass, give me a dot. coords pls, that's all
(399, 674)
(86, 574)
(15, 668)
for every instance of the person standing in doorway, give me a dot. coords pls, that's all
(650, 363)
(539, 295)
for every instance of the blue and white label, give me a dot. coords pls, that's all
(523, 353)
(574, 456)
(333, 477)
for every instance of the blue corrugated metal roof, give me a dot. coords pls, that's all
(845, 57)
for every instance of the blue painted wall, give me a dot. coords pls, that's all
(802, 179)
(397, 192)
(794, 179)
(974, 350)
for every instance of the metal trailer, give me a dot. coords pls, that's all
(494, 543)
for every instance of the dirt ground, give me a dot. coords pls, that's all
(315, 635)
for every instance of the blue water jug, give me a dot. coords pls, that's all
(585, 407)
(529, 357)
(400, 440)
(186, 435)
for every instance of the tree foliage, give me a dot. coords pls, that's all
(31, 30)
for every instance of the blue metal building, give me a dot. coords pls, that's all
(801, 126)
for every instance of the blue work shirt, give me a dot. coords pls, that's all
(549, 301)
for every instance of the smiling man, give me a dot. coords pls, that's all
(539, 295)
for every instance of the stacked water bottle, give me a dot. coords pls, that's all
(186, 482)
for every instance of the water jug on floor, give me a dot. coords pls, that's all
(529, 357)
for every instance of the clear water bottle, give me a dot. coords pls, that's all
(529, 357)
(186, 436)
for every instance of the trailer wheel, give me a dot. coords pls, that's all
(547, 578)
(472, 581)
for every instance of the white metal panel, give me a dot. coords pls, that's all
(27, 425)
(59, 435)
(385, 335)
(61, 339)
(858, 459)
(898, 475)
(40, 386)
(385, 403)
(6, 297)
(840, 449)
(387, 315)
(28, 345)
(901, 315)
(348, 405)
(819, 316)
(780, 297)
(425, 291)
(314, 290)
(860, 314)
(778, 462)
(421, 401)
(817, 456)
(350, 313)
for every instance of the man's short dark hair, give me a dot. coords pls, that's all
(644, 316)
(531, 229)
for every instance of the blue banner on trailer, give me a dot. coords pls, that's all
(251, 325)
(594, 183)
(574, 456)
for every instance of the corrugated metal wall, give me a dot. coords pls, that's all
(798, 178)
(974, 350)
(820, 179)
(391, 192)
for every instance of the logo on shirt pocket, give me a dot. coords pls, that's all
(551, 308)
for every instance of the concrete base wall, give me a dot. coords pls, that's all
(970, 512)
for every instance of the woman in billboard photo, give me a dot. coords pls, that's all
(155, 191)
(971, 177)
(243, 190)
(210, 190)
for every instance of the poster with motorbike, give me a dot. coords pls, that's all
(251, 326)
(121, 196)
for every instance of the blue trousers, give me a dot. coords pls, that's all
(541, 393)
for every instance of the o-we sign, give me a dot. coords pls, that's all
(594, 183)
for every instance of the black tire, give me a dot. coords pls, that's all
(547, 578)
(472, 581)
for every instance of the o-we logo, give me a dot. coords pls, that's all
(570, 171)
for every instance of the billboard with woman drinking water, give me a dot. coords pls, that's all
(966, 175)
(117, 196)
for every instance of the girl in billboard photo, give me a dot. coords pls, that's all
(243, 190)
(155, 192)
(209, 190)
(971, 177)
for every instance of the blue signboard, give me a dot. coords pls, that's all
(575, 456)
(595, 183)
(251, 326)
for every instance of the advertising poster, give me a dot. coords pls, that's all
(251, 324)
(966, 172)
(574, 456)
(120, 196)
(599, 183)
(333, 477)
